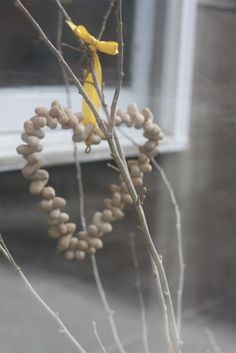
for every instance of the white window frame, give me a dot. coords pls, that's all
(17, 104)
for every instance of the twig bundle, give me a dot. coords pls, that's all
(74, 244)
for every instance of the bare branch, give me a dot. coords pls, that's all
(59, 47)
(98, 337)
(212, 341)
(179, 244)
(105, 19)
(120, 72)
(63, 11)
(54, 315)
(166, 326)
(139, 292)
(110, 313)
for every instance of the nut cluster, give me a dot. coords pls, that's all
(75, 245)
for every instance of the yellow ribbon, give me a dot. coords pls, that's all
(110, 48)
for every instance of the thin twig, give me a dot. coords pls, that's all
(212, 341)
(179, 244)
(105, 19)
(63, 11)
(123, 170)
(98, 337)
(83, 219)
(140, 294)
(110, 313)
(62, 328)
(120, 72)
(59, 47)
(165, 316)
(76, 155)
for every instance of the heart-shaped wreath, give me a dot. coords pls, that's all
(76, 244)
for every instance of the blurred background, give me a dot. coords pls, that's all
(180, 59)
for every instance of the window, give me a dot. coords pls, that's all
(159, 37)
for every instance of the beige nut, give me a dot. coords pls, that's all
(146, 168)
(104, 227)
(40, 174)
(31, 140)
(114, 188)
(82, 245)
(79, 255)
(134, 171)
(107, 215)
(137, 182)
(33, 158)
(95, 139)
(127, 199)
(64, 217)
(48, 193)
(28, 149)
(69, 255)
(39, 121)
(95, 243)
(30, 169)
(31, 130)
(54, 233)
(45, 205)
(64, 242)
(36, 186)
(139, 120)
(92, 230)
(73, 243)
(116, 199)
(58, 202)
(147, 114)
(132, 109)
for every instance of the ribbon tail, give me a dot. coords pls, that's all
(91, 92)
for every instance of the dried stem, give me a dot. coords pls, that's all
(120, 72)
(105, 19)
(98, 337)
(179, 244)
(212, 341)
(166, 328)
(62, 10)
(123, 170)
(59, 47)
(62, 328)
(82, 212)
(110, 313)
(140, 294)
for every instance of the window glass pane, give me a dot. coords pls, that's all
(24, 59)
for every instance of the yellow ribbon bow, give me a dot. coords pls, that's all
(110, 48)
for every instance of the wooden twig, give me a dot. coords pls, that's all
(120, 72)
(212, 340)
(109, 311)
(123, 170)
(63, 11)
(105, 19)
(62, 327)
(165, 316)
(139, 292)
(59, 47)
(98, 338)
(179, 244)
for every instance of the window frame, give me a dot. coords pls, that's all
(18, 103)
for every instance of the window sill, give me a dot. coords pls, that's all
(58, 148)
